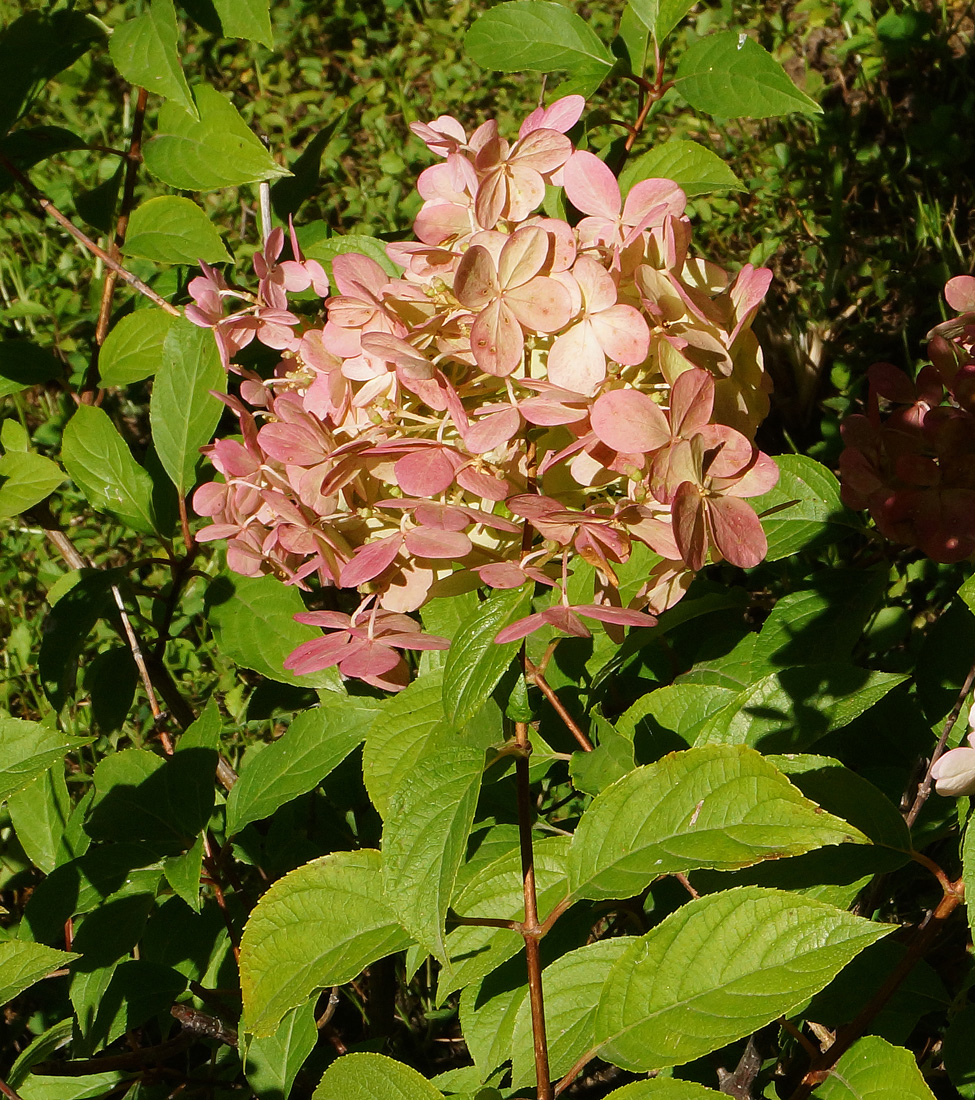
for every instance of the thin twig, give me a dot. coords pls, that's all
(65, 222)
(924, 790)
(131, 1059)
(8, 1091)
(534, 676)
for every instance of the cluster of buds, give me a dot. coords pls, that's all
(526, 395)
(915, 468)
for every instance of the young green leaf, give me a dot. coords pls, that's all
(146, 52)
(373, 1077)
(476, 662)
(218, 150)
(101, 465)
(134, 347)
(246, 19)
(27, 750)
(872, 1069)
(183, 412)
(318, 926)
(721, 806)
(272, 1062)
(719, 968)
(26, 480)
(315, 743)
(729, 75)
(183, 873)
(804, 510)
(171, 229)
(23, 963)
(694, 167)
(536, 35)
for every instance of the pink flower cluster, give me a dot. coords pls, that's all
(527, 395)
(915, 469)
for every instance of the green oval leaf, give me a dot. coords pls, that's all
(373, 1077)
(719, 968)
(476, 662)
(25, 480)
(536, 35)
(183, 412)
(694, 168)
(171, 229)
(873, 1069)
(246, 19)
(133, 349)
(318, 926)
(730, 75)
(23, 963)
(218, 150)
(804, 509)
(146, 52)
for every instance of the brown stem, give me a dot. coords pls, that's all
(487, 922)
(50, 209)
(927, 934)
(534, 676)
(787, 1025)
(8, 1091)
(131, 1059)
(925, 789)
(531, 931)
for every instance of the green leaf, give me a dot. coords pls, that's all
(695, 168)
(636, 26)
(183, 412)
(183, 873)
(272, 1062)
(146, 52)
(572, 986)
(23, 963)
(39, 1050)
(26, 480)
(23, 364)
(968, 872)
(429, 819)
(872, 1069)
(138, 991)
(97, 206)
(30, 145)
(730, 75)
(91, 1086)
(804, 509)
(475, 662)
(315, 743)
(134, 347)
(497, 891)
(27, 750)
(39, 814)
(535, 35)
(373, 1077)
(173, 230)
(487, 1016)
(252, 619)
(101, 465)
(318, 926)
(611, 759)
(246, 19)
(219, 150)
(664, 1089)
(327, 249)
(958, 1052)
(670, 14)
(719, 968)
(721, 806)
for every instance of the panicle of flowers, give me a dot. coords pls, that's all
(914, 468)
(526, 395)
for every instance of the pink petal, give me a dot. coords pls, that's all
(737, 531)
(622, 333)
(747, 292)
(542, 151)
(522, 256)
(954, 773)
(629, 421)
(562, 115)
(591, 185)
(541, 304)
(492, 431)
(691, 401)
(526, 192)
(576, 361)
(391, 349)
(491, 198)
(620, 615)
(689, 526)
(369, 561)
(960, 295)
(317, 654)
(653, 200)
(369, 658)
(762, 476)
(327, 620)
(481, 484)
(424, 473)
(497, 340)
(354, 272)
(431, 542)
(476, 281)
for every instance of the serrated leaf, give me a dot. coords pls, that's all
(719, 968)
(804, 509)
(425, 836)
(183, 412)
(498, 891)
(218, 150)
(535, 35)
(316, 742)
(27, 750)
(720, 806)
(318, 926)
(476, 662)
(100, 463)
(968, 872)
(572, 985)
(171, 229)
(39, 814)
(873, 1069)
(246, 19)
(23, 963)
(146, 52)
(272, 1062)
(729, 75)
(487, 1017)
(252, 619)
(693, 167)
(26, 480)
(133, 349)
(23, 364)
(373, 1077)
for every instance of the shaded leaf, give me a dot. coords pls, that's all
(30, 145)
(272, 1062)
(27, 750)
(23, 963)
(23, 364)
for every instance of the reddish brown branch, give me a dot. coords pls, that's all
(533, 675)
